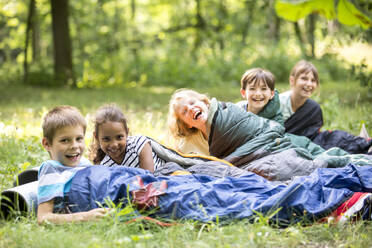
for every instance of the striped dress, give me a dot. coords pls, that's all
(133, 149)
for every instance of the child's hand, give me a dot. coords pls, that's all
(98, 213)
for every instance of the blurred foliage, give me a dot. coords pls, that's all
(360, 72)
(16, 155)
(177, 43)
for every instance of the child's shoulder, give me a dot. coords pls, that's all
(57, 164)
(53, 166)
(312, 103)
(285, 97)
(285, 94)
(50, 165)
(136, 138)
(136, 142)
(242, 104)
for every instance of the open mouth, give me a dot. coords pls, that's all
(112, 151)
(73, 156)
(115, 153)
(197, 114)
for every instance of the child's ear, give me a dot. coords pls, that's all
(291, 81)
(272, 94)
(46, 144)
(242, 92)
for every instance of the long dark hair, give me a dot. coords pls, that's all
(106, 113)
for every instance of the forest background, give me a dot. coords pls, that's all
(136, 53)
(110, 43)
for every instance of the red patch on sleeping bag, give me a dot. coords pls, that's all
(147, 196)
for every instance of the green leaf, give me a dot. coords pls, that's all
(295, 10)
(349, 15)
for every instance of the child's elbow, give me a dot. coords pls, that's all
(42, 219)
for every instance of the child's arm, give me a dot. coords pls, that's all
(145, 158)
(45, 214)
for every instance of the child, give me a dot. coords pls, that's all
(303, 116)
(258, 90)
(257, 87)
(245, 139)
(112, 146)
(187, 140)
(303, 80)
(196, 197)
(63, 138)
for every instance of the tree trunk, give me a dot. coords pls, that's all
(133, 9)
(135, 75)
(250, 6)
(31, 9)
(116, 27)
(223, 15)
(311, 21)
(35, 35)
(200, 25)
(276, 33)
(63, 71)
(300, 39)
(274, 23)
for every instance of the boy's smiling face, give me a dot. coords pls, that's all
(257, 95)
(67, 146)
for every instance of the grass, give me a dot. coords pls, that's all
(345, 106)
(108, 233)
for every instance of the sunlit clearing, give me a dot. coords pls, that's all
(18, 131)
(356, 53)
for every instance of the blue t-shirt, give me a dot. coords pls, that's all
(54, 181)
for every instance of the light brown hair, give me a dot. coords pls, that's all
(60, 117)
(304, 66)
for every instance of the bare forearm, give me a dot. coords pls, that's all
(70, 218)
(145, 157)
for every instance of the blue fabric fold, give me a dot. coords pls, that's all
(205, 198)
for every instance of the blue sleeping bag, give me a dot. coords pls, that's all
(205, 198)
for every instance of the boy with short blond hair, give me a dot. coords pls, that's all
(63, 137)
(61, 116)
